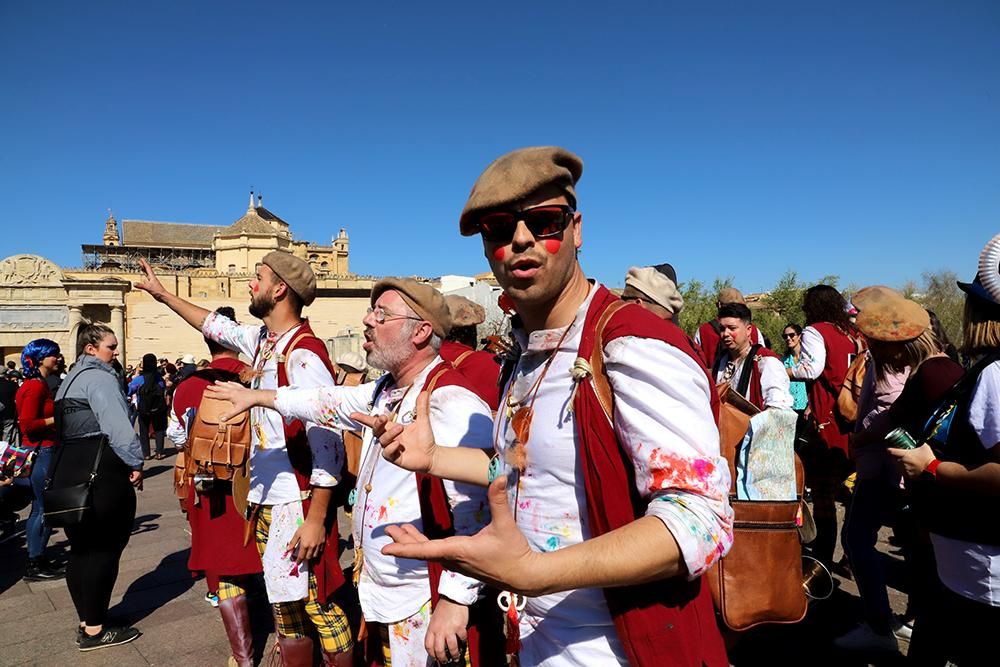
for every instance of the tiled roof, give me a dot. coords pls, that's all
(143, 233)
(267, 215)
(251, 223)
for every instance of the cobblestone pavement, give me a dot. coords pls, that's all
(156, 593)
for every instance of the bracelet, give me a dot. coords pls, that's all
(932, 468)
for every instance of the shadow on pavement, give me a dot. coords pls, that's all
(144, 524)
(168, 581)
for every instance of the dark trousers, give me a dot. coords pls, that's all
(96, 544)
(872, 505)
(158, 420)
(954, 628)
(826, 470)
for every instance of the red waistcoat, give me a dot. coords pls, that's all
(481, 369)
(666, 623)
(329, 575)
(824, 390)
(755, 392)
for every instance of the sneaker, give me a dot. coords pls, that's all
(79, 634)
(109, 637)
(212, 599)
(902, 628)
(863, 639)
(41, 570)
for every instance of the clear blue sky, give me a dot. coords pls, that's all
(859, 139)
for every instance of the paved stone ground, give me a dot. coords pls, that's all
(156, 593)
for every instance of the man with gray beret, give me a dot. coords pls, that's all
(606, 509)
(294, 464)
(412, 610)
(655, 289)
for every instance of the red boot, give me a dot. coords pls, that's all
(296, 651)
(236, 619)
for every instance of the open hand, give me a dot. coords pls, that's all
(150, 283)
(410, 447)
(498, 555)
(914, 461)
(241, 397)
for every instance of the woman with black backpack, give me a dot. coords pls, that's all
(955, 479)
(90, 491)
(151, 391)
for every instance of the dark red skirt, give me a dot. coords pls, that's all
(217, 532)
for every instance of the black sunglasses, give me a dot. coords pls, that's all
(791, 335)
(542, 221)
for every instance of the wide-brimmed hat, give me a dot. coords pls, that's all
(464, 312)
(887, 316)
(986, 284)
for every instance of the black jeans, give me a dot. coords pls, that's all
(158, 420)
(96, 544)
(954, 628)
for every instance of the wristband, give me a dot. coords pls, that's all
(932, 468)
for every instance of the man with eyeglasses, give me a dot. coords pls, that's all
(606, 508)
(411, 611)
(294, 464)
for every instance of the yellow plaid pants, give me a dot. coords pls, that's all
(292, 619)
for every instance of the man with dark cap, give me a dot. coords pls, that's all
(411, 612)
(294, 464)
(604, 517)
(709, 335)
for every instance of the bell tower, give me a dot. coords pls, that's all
(111, 237)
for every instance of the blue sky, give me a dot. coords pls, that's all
(743, 139)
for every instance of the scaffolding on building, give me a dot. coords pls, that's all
(114, 258)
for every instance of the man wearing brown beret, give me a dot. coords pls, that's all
(294, 464)
(411, 611)
(479, 367)
(606, 510)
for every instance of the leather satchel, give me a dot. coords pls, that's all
(67, 505)
(760, 579)
(217, 446)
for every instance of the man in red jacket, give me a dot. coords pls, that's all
(605, 512)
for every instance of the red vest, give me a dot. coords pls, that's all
(481, 369)
(755, 392)
(665, 623)
(824, 390)
(329, 575)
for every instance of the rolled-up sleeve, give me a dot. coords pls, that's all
(239, 337)
(663, 420)
(459, 418)
(108, 404)
(812, 358)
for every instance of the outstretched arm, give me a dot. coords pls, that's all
(499, 555)
(192, 314)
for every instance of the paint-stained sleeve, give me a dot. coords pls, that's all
(663, 419)
(239, 337)
(461, 419)
(307, 371)
(328, 406)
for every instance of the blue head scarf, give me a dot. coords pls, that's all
(34, 352)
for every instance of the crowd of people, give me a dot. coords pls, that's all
(559, 498)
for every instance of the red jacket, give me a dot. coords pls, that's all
(665, 623)
(34, 406)
(217, 529)
(823, 391)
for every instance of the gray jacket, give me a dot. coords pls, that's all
(94, 404)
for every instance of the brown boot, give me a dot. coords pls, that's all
(296, 651)
(236, 619)
(342, 659)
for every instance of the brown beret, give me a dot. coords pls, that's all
(294, 272)
(730, 295)
(873, 293)
(426, 302)
(886, 316)
(464, 312)
(512, 177)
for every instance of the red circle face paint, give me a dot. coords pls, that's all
(254, 287)
(500, 253)
(552, 245)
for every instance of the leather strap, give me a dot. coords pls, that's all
(460, 358)
(598, 377)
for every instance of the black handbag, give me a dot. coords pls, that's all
(67, 505)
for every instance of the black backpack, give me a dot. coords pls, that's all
(152, 398)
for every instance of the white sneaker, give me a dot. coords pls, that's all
(863, 639)
(901, 628)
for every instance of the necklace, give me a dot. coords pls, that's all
(359, 537)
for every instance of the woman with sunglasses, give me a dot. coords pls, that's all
(793, 345)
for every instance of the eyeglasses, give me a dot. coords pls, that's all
(381, 315)
(542, 221)
(789, 336)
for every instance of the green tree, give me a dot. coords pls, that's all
(941, 295)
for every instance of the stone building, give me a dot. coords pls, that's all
(210, 265)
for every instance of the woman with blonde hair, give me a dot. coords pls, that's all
(955, 478)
